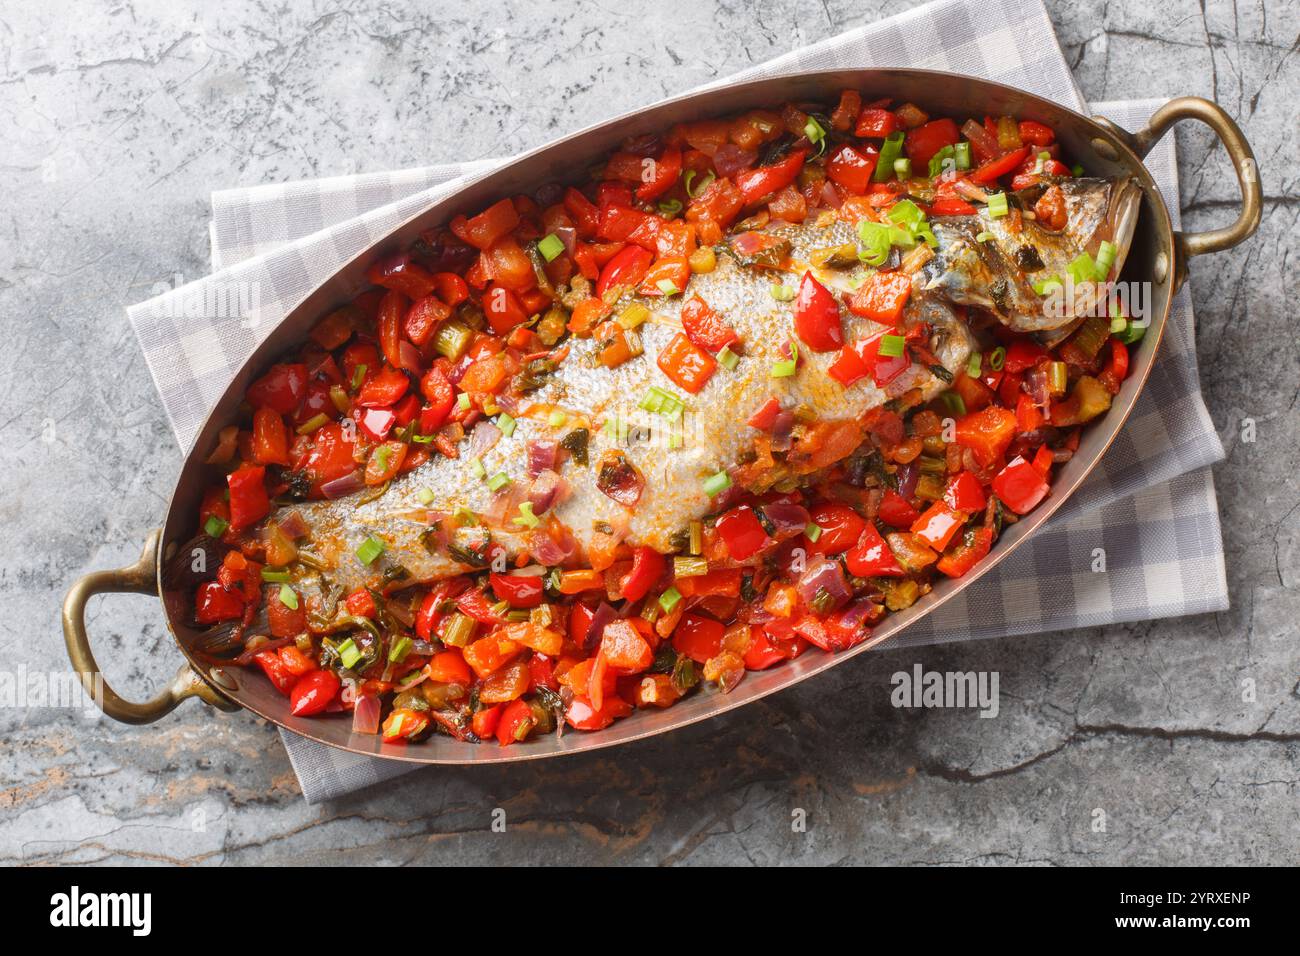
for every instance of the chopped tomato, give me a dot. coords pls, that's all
(817, 316)
(938, 525)
(449, 667)
(699, 638)
(927, 139)
(488, 226)
(624, 649)
(1020, 486)
(987, 433)
(270, 438)
(871, 557)
(249, 502)
(840, 528)
(742, 532)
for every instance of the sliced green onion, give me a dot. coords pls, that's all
(937, 161)
(813, 130)
(784, 369)
(498, 481)
(397, 653)
(1057, 379)
(1082, 269)
(782, 293)
(667, 287)
(381, 455)
(997, 206)
(420, 439)
(890, 150)
(452, 339)
(903, 168)
(961, 153)
(1046, 286)
(1132, 333)
(891, 346)
(215, 526)
(313, 423)
(506, 423)
(985, 237)
(462, 400)
(684, 567)
(476, 468)
(998, 358)
(349, 654)
(1106, 254)
(275, 576)
(1118, 324)
(670, 207)
(425, 496)
(727, 358)
(812, 531)
(716, 484)
(370, 549)
(633, 316)
(954, 402)
(1076, 170)
(556, 419)
(550, 247)
(974, 365)
(358, 376)
(670, 599)
(705, 181)
(660, 402)
(695, 542)
(526, 517)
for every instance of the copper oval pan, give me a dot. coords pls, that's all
(1159, 256)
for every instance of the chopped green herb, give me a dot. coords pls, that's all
(997, 205)
(425, 495)
(812, 531)
(498, 481)
(215, 526)
(903, 168)
(397, 653)
(890, 150)
(550, 247)
(349, 654)
(782, 293)
(891, 346)
(556, 419)
(370, 549)
(275, 575)
(998, 358)
(716, 484)
(476, 468)
(358, 376)
(727, 358)
(462, 400)
(670, 599)
(954, 402)
(667, 287)
(526, 517)
(506, 423)
(961, 153)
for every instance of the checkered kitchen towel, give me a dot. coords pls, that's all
(1151, 504)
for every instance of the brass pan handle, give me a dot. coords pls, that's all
(139, 578)
(1189, 244)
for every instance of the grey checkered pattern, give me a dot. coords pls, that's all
(1151, 504)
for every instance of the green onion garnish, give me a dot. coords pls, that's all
(633, 316)
(425, 496)
(660, 402)
(397, 653)
(961, 153)
(506, 423)
(381, 456)
(705, 181)
(955, 403)
(526, 517)
(556, 419)
(716, 484)
(784, 369)
(782, 293)
(498, 481)
(938, 159)
(550, 247)
(1132, 333)
(1106, 254)
(358, 376)
(313, 423)
(1076, 170)
(370, 549)
(890, 150)
(288, 597)
(974, 365)
(670, 207)
(891, 346)
(462, 400)
(215, 526)
(274, 576)
(670, 599)
(684, 567)
(727, 358)
(985, 237)
(667, 287)
(476, 468)
(1082, 269)
(813, 130)
(812, 531)
(903, 168)
(997, 205)
(1047, 286)
(348, 653)
(998, 358)
(1118, 324)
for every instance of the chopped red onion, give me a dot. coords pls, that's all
(783, 430)
(547, 550)
(731, 159)
(408, 356)
(542, 454)
(345, 485)
(907, 478)
(605, 614)
(824, 574)
(831, 195)
(484, 436)
(365, 715)
(787, 516)
(547, 489)
(567, 235)
(293, 525)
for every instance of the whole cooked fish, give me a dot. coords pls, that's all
(430, 519)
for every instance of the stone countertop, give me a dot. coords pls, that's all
(120, 122)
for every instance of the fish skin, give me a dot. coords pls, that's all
(716, 437)
(988, 274)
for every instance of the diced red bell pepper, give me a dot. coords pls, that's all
(667, 168)
(503, 309)
(1020, 486)
(1116, 368)
(281, 388)
(449, 667)
(624, 649)
(895, 510)
(675, 270)
(275, 670)
(867, 359)
(270, 438)
(518, 590)
(385, 462)
(995, 168)
(1036, 134)
(965, 493)
(817, 316)
(841, 526)
(951, 206)
(765, 417)
(882, 297)
(384, 388)
(360, 603)
(699, 638)
(966, 555)
(331, 455)
(626, 269)
(249, 502)
(283, 620)
(582, 715)
(1043, 461)
(376, 422)
(515, 723)
(754, 184)
(927, 139)
(704, 327)
(1022, 355)
(938, 525)
(647, 568)
(313, 692)
(688, 366)
(401, 274)
(875, 123)
(987, 433)
(742, 532)
(871, 557)
(392, 308)
(474, 603)
(852, 167)
(720, 582)
(488, 226)
(213, 604)
(441, 397)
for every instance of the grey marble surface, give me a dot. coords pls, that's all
(119, 119)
